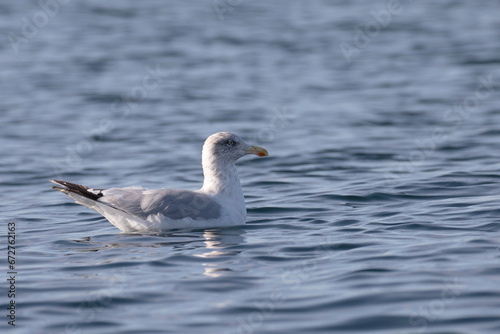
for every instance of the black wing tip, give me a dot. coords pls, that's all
(63, 190)
(66, 183)
(76, 189)
(61, 183)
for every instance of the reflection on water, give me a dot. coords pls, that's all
(215, 247)
(217, 241)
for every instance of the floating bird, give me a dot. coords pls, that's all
(218, 203)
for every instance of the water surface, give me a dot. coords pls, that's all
(377, 210)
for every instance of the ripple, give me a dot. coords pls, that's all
(377, 210)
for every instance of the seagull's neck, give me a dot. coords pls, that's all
(221, 179)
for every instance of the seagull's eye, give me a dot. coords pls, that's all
(231, 142)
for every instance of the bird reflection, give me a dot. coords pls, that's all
(218, 247)
(217, 242)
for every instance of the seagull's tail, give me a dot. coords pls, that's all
(73, 188)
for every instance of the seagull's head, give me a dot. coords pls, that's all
(226, 147)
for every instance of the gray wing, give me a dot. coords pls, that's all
(172, 203)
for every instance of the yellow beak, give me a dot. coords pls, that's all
(260, 151)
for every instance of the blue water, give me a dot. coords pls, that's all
(377, 211)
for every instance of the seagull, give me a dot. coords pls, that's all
(219, 203)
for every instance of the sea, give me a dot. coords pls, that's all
(377, 210)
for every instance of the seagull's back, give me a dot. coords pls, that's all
(171, 203)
